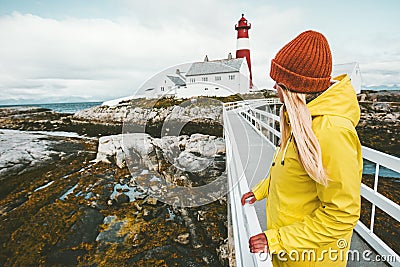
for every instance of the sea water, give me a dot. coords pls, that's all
(61, 107)
(369, 168)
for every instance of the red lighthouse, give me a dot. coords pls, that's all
(243, 44)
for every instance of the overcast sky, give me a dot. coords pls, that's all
(75, 50)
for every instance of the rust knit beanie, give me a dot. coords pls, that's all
(304, 65)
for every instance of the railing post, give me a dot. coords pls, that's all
(376, 179)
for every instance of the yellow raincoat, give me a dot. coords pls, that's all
(309, 224)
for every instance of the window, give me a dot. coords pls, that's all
(216, 88)
(206, 88)
(217, 78)
(231, 77)
(192, 80)
(162, 88)
(204, 79)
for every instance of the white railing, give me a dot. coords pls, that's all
(378, 200)
(264, 123)
(245, 222)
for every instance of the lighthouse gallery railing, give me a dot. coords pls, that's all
(265, 123)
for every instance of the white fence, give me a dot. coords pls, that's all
(266, 124)
(244, 218)
(380, 201)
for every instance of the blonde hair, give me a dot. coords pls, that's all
(299, 124)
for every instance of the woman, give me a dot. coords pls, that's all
(313, 187)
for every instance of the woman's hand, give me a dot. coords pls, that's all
(258, 243)
(248, 195)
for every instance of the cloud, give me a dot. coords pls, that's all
(376, 74)
(47, 59)
(89, 57)
(104, 58)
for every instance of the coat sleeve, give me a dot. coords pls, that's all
(261, 189)
(339, 210)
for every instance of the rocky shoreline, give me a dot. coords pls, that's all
(85, 208)
(74, 200)
(379, 125)
(188, 117)
(76, 203)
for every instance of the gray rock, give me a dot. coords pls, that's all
(85, 230)
(121, 199)
(192, 163)
(379, 106)
(151, 201)
(147, 215)
(111, 234)
(183, 239)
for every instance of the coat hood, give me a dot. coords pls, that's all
(338, 100)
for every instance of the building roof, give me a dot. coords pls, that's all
(215, 66)
(178, 81)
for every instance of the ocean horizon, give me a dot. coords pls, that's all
(69, 107)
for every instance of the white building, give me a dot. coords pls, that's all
(164, 83)
(207, 78)
(216, 78)
(353, 70)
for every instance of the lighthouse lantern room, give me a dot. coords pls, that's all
(243, 44)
